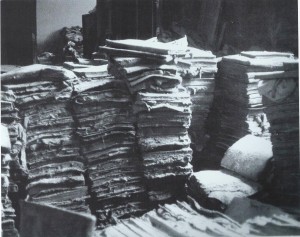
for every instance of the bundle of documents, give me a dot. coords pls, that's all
(108, 142)
(162, 109)
(56, 167)
(238, 107)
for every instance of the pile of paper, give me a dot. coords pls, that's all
(7, 211)
(246, 218)
(179, 219)
(238, 106)
(108, 142)
(56, 166)
(198, 69)
(162, 109)
(263, 219)
(162, 123)
(280, 91)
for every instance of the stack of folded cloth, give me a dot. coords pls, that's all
(239, 105)
(162, 109)
(280, 91)
(198, 69)
(106, 128)
(56, 166)
(7, 211)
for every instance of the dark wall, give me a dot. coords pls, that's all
(18, 31)
(121, 19)
(89, 33)
(230, 26)
(264, 24)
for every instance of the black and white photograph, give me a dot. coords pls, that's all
(149, 118)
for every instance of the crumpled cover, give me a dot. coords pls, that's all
(277, 90)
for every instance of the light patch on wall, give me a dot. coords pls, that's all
(53, 15)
